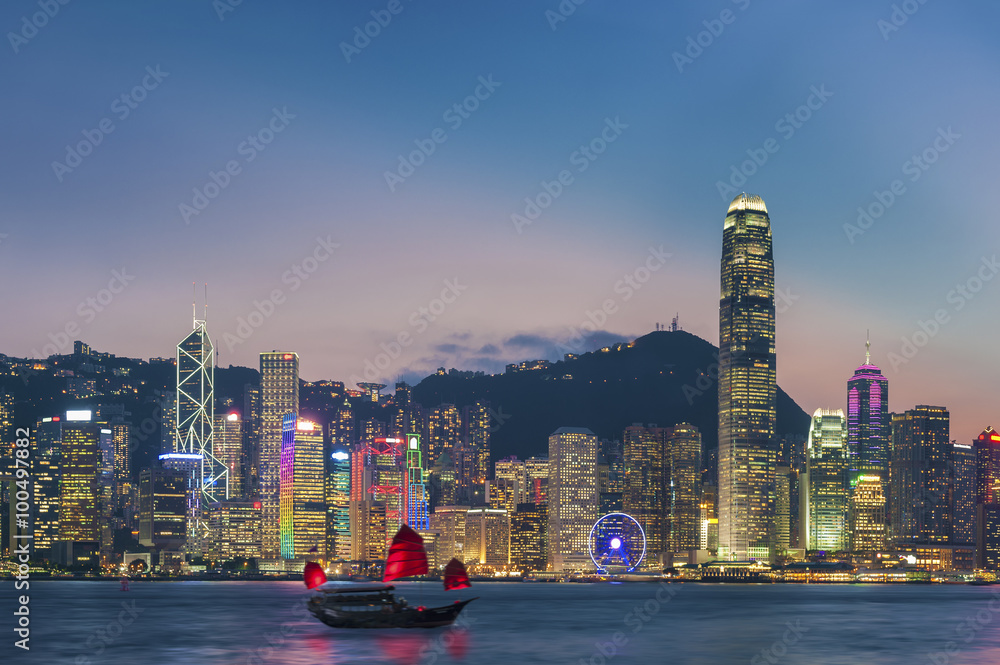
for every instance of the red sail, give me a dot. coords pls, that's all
(455, 576)
(313, 575)
(406, 556)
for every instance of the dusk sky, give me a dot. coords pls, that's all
(927, 85)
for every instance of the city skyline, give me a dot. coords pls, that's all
(657, 181)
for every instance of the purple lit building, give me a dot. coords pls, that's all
(869, 428)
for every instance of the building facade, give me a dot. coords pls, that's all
(572, 497)
(279, 395)
(747, 383)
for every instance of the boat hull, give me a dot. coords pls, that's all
(409, 617)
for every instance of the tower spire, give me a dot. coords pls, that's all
(194, 306)
(868, 347)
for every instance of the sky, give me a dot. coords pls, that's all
(471, 184)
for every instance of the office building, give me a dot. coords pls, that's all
(338, 504)
(867, 513)
(487, 537)
(449, 523)
(163, 508)
(302, 493)
(236, 530)
(747, 383)
(528, 541)
(826, 482)
(279, 395)
(228, 449)
(682, 456)
(572, 496)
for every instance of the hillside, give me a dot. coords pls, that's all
(653, 381)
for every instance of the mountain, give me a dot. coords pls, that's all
(665, 377)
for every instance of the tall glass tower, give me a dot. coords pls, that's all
(868, 425)
(195, 421)
(747, 388)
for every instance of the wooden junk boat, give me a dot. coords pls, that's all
(373, 605)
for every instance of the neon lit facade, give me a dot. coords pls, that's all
(379, 494)
(868, 427)
(279, 395)
(416, 496)
(827, 482)
(338, 495)
(302, 505)
(747, 384)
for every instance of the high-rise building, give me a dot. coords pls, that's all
(682, 456)
(228, 449)
(379, 492)
(987, 499)
(928, 474)
(476, 425)
(416, 490)
(196, 413)
(747, 383)
(279, 394)
(528, 542)
(515, 474)
(302, 493)
(163, 507)
(826, 482)
(449, 523)
(537, 472)
(196, 530)
(45, 473)
(251, 440)
(338, 504)
(342, 428)
(444, 432)
(646, 476)
(867, 513)
(236, 528)
(572, 496)
(487, 537)
(869, 430)
(80, 487)
(708, 538)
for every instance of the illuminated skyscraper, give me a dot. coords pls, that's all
(302, 494)
(163, 502)
(867, 513)
(343, 426)
(528, 537)
(927, 472)
(338, 508)
(987, 498)
(45, 472)
(476, 422)
(487, 537)
(416, 492)
(81, 463)
(195, 412)
(279, 392)
(444, 432)
(826, 482)
(515, 474)
(229, 449)
(869, 429)
(645, 495)
(236, 528)
(683, 457)
(449, 523)
(747, 388)
(572, 495)
(251, 440)
(197, 535)
(537, 471)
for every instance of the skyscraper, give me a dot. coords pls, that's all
(683, 456)
(987, 498)
(302, 506)
(747, 388)
(195, 412)
(923, 476)
(163, 508)
(79, 528)
(826, 482)
(528, 537)
(279, 386)
(646, 475)
(869, 429)
(572, 495)
(338, 499)
(228, 448)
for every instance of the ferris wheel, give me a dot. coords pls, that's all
(617, 542)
